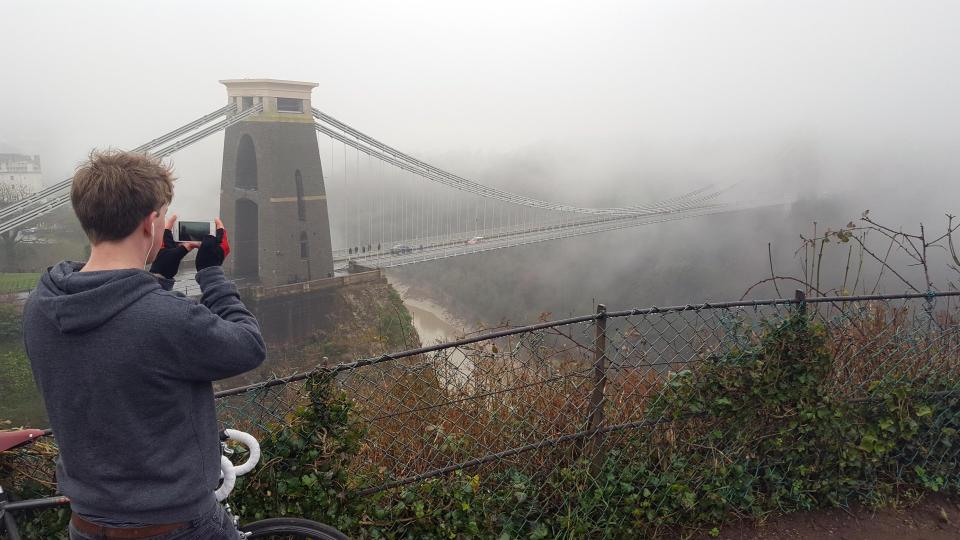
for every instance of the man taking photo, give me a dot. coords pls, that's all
(126, 366)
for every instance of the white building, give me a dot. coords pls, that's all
(21, 170)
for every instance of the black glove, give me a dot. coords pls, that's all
(168, 258)
(213, 250)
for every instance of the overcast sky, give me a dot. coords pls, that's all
(488, 78)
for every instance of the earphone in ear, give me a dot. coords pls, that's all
(153, 237)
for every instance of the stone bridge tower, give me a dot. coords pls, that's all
(272, 197)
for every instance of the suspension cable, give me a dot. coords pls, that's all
(464, 184)
(47, 205)
(485, 191)
(46, 192)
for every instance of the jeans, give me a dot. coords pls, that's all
(216, 525)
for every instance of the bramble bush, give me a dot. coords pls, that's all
(742, 434)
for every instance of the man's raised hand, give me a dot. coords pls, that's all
(214, 249)
(167, 262)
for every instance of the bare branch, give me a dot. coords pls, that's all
(950, 230)
(772, 273)
(884, 265)
(846, 271)
(784, 278)
(867, 219)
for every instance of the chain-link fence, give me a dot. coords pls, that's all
(619, 424)
(606, 405)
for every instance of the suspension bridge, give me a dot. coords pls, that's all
(393, 209)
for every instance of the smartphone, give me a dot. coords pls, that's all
(192, 231)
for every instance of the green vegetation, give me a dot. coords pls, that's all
(307, 473)
(394, 323)
(747, 433)
(19, 397)
(19, 282)
(21, 405)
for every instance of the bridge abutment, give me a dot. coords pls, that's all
(291, 313)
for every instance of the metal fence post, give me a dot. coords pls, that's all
(598, 396)
(801, 298)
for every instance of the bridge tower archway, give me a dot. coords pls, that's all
(246, 177)
(272, 194)
(246, 245)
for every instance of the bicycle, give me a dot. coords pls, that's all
(283, 527)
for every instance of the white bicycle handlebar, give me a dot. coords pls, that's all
(228, 476)
(228, 471)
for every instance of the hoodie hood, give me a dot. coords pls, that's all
(82, 301)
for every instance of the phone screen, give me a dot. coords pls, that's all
(193, 231)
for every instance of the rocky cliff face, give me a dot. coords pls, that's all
(336, 325)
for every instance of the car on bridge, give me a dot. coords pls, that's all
(474, 240)
(401, 249)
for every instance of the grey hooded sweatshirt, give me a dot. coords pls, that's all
(125, 368)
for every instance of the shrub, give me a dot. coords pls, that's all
(746, 433)
(757, 429)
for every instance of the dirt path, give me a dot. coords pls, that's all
(933, 518)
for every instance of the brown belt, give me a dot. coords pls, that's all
(124, 533)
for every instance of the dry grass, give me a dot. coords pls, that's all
(447, 409)
(873, 340)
